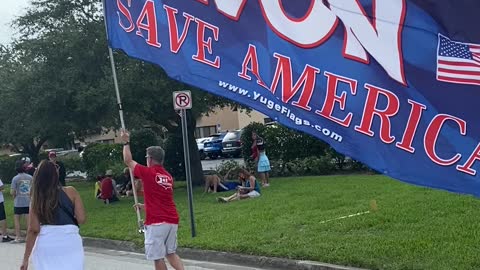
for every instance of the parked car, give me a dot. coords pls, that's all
(53, 149)
(213, 148)
(201, 144)
(232, 145)
(68, 153)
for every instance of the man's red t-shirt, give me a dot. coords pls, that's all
(158, 193)
(107, 188)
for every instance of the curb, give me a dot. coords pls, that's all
(221, 256)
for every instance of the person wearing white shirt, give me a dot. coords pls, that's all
(3, 216)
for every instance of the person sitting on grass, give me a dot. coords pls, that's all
(109, 193)
(98, 187)
(138, 188)
(125, 183)
(213, 183)
(249, 188)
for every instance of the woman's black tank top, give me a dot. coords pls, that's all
(65, 214)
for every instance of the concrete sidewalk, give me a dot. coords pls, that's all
(257, 262)
(11, 256)
(224, 260)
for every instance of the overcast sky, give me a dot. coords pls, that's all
(10, 9)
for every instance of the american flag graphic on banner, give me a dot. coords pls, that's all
(458, 62)
(388, 85)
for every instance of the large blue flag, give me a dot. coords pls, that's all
(394, 84)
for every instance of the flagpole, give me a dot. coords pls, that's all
(120, 112)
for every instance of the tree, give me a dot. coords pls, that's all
(66, 81)
(153, 94)
(19, 123)
(141, 139)
(52, 78)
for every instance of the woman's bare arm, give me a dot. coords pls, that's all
(32, 233)
(252, 183)
(226, 175)
(79, 209)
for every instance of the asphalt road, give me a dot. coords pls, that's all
(101, 259)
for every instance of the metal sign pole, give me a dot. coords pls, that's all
(187, 169)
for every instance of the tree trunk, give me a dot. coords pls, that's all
(33, 150)
(195, 162)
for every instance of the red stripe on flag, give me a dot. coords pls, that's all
(476, 57)
(460, 71)
(464, 64)
(457, 80)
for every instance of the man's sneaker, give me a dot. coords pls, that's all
(17, 241)
(6, 239)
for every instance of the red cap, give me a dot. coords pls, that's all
(52, 154)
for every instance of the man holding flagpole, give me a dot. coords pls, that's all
(161, 222)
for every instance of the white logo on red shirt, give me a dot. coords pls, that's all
(164, 180)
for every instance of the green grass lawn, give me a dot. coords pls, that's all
(414, 228)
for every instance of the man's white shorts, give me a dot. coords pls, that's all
(160, 240)
(253, 194)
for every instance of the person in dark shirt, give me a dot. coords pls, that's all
(53, 230)
(125, 182)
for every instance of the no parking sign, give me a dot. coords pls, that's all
(182, 100)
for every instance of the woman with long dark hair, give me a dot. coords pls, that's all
(53, 237)
(249, 188)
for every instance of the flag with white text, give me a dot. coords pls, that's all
(394, 84)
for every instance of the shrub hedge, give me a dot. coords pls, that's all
(293, 153)
(290, 153)
(283, 143)
(99, 157)
(7, 168)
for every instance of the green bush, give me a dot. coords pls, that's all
(283, 143)
(98, 157)
(246, 137)
(287, 144)
(293, 153)
(278, 168)
(357, 166)
(309, 166)
(7, 168)
(72, 163)
(174, 156)
(140, 140)
(319, 165)
(228, 166)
